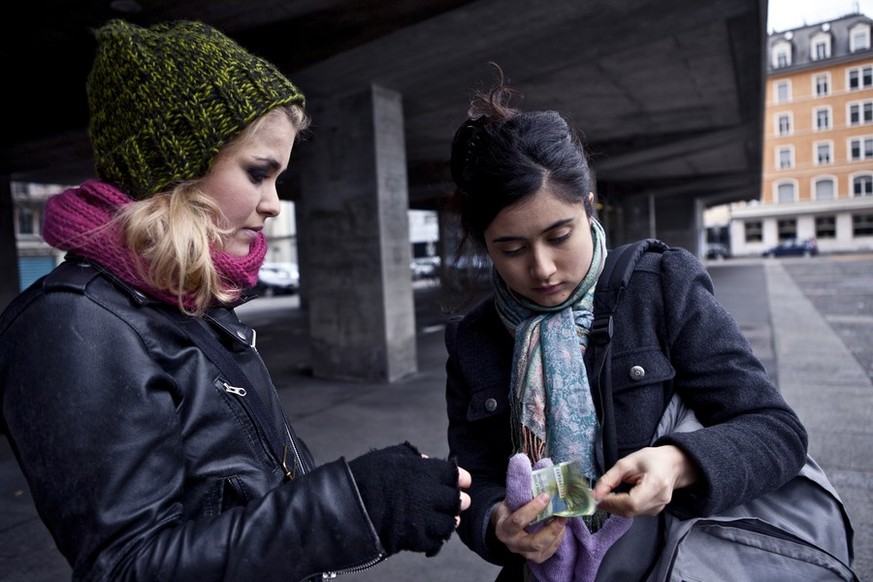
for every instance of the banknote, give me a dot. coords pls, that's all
(568, 488)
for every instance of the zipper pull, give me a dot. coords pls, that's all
(289, 473)
(234, 389)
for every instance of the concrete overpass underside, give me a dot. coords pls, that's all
(668, 97)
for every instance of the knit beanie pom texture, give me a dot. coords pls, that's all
(164, 100)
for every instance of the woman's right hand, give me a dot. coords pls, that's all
(510, 527)
(412, 500)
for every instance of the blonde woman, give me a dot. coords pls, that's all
(148, 428)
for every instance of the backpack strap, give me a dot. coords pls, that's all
(617, 272)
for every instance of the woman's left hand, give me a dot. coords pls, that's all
(654, 473)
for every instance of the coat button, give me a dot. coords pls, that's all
(637, 373)
(490, 405)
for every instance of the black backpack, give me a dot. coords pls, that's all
(764, 539)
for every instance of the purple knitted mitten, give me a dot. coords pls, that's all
(558, 568)
(591, 547)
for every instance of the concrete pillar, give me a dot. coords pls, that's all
(677, 221)
(672, 219)
(356, 230)
(9, 282)
(637, 219)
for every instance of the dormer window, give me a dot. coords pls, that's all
(859, 37)
(821, 46)
(780, 54)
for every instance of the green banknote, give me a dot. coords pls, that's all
(568, 488)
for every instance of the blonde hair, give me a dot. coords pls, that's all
(170, 234)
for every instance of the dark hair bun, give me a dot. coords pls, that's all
(466, 148)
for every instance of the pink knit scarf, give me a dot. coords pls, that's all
(80, 220)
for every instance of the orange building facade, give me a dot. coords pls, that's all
(817, 177)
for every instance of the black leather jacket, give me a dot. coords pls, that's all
(143, 463)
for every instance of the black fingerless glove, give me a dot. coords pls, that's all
(412, 501)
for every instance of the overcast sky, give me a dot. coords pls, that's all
(787, 14)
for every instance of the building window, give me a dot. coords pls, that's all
(823, 153)
(861, 113)
(785, 158)
(785, 193)
(783, 91)
(859, 37)
(783, 124)
(825, 227)
(787, 228)
(24, 220)
(862, 185)
(861, 78)
(862, 225)
(821, 46)
(824, 189)
(754, 231)
(822, 85)
(780, 54)
(822, 118)
(861, 148)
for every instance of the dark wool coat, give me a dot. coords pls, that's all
(670, 324)
(143, 463)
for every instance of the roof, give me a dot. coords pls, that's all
(802, 38)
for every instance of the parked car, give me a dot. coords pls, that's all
(278, 279)
(469, 271)
(424, 268)
(793, 247)
(717, 251)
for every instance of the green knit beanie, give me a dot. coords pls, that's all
(165, 99)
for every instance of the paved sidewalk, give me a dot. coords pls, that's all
(813, 366)
(833, 395)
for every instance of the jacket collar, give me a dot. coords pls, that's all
(78, 272)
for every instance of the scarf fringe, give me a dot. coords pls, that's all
(532, 446)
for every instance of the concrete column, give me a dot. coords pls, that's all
(356, 230)
(637, 219)
(677, 221)
(8, 253)
(672, 219)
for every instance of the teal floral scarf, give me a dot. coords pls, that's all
(553, 414)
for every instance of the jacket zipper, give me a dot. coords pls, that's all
(241, 394)
(288, 434)
(356, 569)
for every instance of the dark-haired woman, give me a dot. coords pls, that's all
(518, 384)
